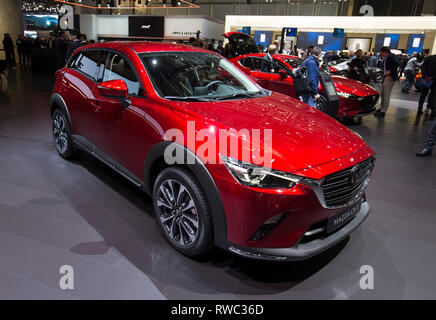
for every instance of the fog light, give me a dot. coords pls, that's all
(267, 227)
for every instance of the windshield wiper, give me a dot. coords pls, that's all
(239, 95)
(186, 98)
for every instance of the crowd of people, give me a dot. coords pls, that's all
(64, 42)
(393, 67)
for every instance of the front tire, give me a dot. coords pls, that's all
(62, 135)
(344, 74)
(379, 76)
(182, 211)
(321, 104)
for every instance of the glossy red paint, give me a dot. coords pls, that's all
(306, 142)
(348, 107)
(113, 88)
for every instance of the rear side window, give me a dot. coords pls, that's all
(72, 64)
(118, 68)
(90, 62)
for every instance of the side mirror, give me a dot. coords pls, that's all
(115, 89)
(283, 74)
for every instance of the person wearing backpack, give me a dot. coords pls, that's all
(312, 66)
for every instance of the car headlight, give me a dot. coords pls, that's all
(251, 175)
(348, 95)
(344, 94)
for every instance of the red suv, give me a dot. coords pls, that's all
(356, 99)
(155, 113)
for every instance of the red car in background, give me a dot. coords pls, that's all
(356, 99)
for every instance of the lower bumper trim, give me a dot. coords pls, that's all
(306, 250)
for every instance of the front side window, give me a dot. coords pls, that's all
(197, 75)
(265, 65)
(246, 62)
(118, 68)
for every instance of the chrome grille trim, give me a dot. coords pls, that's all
(327, 188)
(340, 194)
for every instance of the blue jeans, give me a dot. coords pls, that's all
(431, 139)
(410, 79)
(307, 98)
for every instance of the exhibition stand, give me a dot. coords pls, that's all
(367, 33)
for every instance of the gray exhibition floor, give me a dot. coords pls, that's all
(54, 213)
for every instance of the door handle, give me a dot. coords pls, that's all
(95, 106)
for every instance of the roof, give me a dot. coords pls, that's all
(146, 46)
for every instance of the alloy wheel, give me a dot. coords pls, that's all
(379, 77)
(321, 104)
(60, 133)
(178, 213)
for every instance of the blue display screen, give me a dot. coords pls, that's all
(338, 33)
(291, 32)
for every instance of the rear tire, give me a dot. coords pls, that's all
(182, 211)
(62, 135)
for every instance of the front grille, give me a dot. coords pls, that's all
(342, 187)
(368, 103)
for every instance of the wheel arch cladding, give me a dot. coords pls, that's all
(155, 162)
(57, 102)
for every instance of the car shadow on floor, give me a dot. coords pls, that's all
(148, 247)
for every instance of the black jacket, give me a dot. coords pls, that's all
(429, 67)
(391, 64)
(73, 46)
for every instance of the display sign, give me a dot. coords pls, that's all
(41, 22)
(246, 30)
(146, 26)
(262, 37)
(415, 43)
(291, 32)
(320, 40)
(338, 33)
(387, 42)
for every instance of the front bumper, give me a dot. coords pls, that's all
(306, 250)
(349, 108)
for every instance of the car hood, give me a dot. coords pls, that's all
(353, 87)
(302, 137)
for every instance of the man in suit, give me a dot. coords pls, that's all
(267, 65)
(390, 66)
(74, 44)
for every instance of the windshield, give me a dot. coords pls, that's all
(196, 76)
(293, 62)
